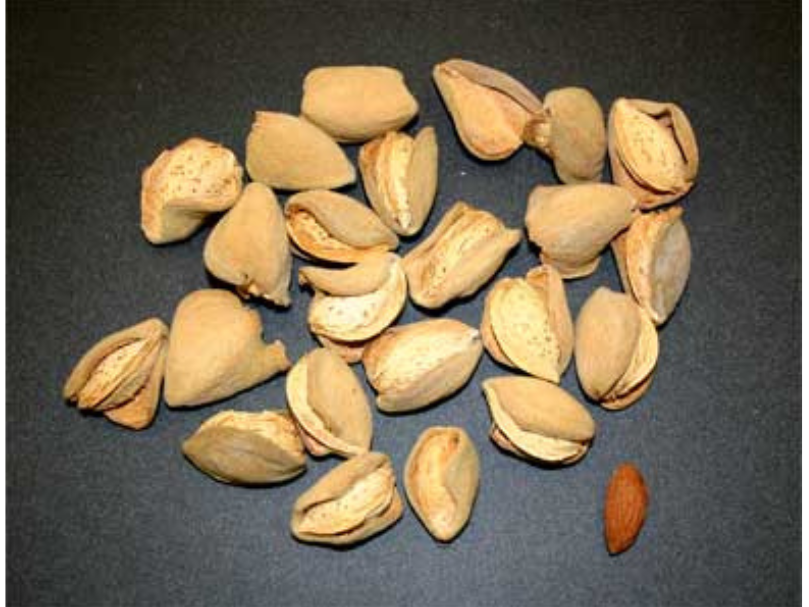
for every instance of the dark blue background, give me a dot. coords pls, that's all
(97, 515)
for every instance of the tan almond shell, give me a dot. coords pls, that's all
(537, 448)
(289, 153)
(635, 381)
(548, 281)
(441, 478)
(336, 484)
(355, 103)
(463, 252)
(571, 130)
(607, 333)
(653, 150)
(360, 317)
(487, 335)
(248, 248)
(102, 381)
(415, 365)
(362, 278)
(572, 224)
(654, 256)
(184, 185)
(329, 405)
(489, 108)
(247, 448)
(400, 178)
(334, 227)
(520, 323)
(216, 350)
(139, 413)
(540, 420)
(351, 352)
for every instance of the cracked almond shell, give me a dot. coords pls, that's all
(350, 503)
(121, 375)
(489, 108)
(572, 224)
(184, 185)
(571, 131)
(333, 227)
(526, 324)
(247, 448)
(441, 478)
(537, 420)
(654, 260)
(216, 350)
(356, 304)
(289, 153)
(616, 349)
(248, 248)
(415, 365)
(355, 103)
(653, 150)
(463, 252)
(329, 405)
(400, 177)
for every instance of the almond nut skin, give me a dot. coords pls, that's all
(625, 506)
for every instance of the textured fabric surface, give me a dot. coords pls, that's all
(97, 515)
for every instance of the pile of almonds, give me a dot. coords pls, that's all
(215, 349)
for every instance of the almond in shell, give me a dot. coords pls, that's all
(654, 259)
(653, 150)
(412, 366)
(616, 349)
(464, 251)
(400, 176)
(334, 227)
(572, 224)
(184, 185)
(355, 103)
(329, 405)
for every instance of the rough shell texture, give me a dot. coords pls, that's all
(333, 227)
(654, 259)
(412, 366)
(248, 248)
(216, 350)
(400, 177)
(121, 375)
(247, 448)
(549, 283)
(625, 505)
(350, 503)
(289, 153)
(358, 303)
(537, 420)
(441, 477)
(351, 352)
(517, 329)
(490, 109)
(463, 252)
(573, 223)
(571, 130)
(653, 150)
(616, 348)
(357, 103)
(329, 405)
(184, 185)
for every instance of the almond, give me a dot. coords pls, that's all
(625, 508)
